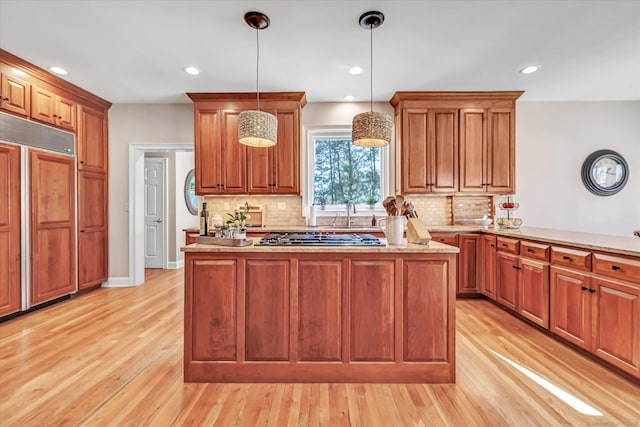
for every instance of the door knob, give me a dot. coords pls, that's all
(159, 220)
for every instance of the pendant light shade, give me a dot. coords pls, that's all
(371, 129)
(257, 128)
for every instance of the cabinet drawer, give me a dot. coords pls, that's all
(534, 250)
(620, 268)
(508, 245)
(446, 238)
(580, 260)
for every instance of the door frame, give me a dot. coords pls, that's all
(136, 202)
(164, 161)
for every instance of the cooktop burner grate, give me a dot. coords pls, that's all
(319, 239)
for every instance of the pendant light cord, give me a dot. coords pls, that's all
(257, 67)
(371, 65)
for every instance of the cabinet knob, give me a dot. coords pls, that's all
(82, 231)
(615, 268)
(5, 99)
(516, 267)
(584, 288)
(492, 245)
(82, 161)
(566, 258)
(530, 250)
(593, 291)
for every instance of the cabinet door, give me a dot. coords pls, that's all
(92, 140)
(443, 151)
(53, 230)
(487, 268)
(473, 142)
(207, 151)
(43, 105)
(414, 151)
(616, 311)
(570, 312)
(467, 266)
(507, 269)
(260, 179)
(15, 96)
(501, 151)
(233, 155)
(66, 113)
(92, 227)
(9, 229)
(286, 157)
(533, 292)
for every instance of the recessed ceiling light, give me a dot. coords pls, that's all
(530, 69)
(191, 70)
(59, 70)
(349, 98)
(355, 70)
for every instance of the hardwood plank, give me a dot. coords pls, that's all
(114, 357)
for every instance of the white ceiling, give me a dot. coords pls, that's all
(134, 51)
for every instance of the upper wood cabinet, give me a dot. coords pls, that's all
(15, 95)
(224, 166)
(429, 150)
(53, 109)
(92, 140)
(456, 142)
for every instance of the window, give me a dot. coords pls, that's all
(338, 171)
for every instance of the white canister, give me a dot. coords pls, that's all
(312, 216)
(393, 228)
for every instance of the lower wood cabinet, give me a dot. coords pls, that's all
(533, 291)
(468, 272)
(92, 229)
(570, 306)
(507, 276)
(330, 317)
(487, 266)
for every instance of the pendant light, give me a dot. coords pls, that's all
(371, 129)
(257, 128)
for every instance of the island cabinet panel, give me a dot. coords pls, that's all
(468, 272)
(320, 308)
(487, 270)
(213, 313)
(267, 310)
(425, 304)
(372, 310)
(319, 315)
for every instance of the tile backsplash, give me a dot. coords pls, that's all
(287, 210)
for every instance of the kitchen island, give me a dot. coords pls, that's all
(382, 314)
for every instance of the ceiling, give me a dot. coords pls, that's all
(134, 51)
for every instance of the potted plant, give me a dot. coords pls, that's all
(322, 202)
(371, 201)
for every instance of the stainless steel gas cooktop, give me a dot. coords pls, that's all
(319, 239)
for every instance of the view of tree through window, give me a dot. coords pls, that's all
(344, 172)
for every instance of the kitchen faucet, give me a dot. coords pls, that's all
(350, 205)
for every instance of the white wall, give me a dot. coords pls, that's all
(552, 141)
(136, 123)
(183, 218)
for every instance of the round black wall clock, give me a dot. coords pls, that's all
(605, 172)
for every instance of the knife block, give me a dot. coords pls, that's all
(417, 232)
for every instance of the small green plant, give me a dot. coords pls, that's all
(372, 200)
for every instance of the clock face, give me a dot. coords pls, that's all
(190, 197)
(604, 172)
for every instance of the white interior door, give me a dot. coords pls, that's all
(155, 199)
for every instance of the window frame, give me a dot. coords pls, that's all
(313, 133)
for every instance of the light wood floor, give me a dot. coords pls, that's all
(114, 357)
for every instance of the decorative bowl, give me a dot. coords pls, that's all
(484, 223)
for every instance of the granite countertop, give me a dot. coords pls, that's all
(590, 241)
(431, 247)
(603, 242)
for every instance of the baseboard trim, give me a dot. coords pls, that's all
(174, 265)
(117, 282)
